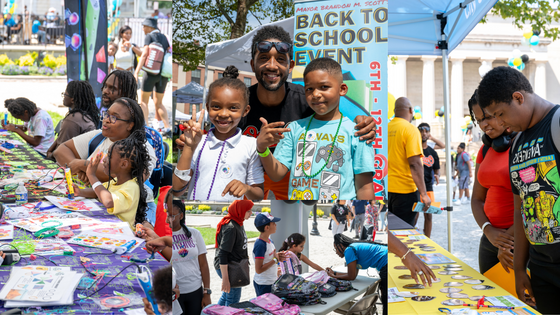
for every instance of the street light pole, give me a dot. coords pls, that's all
(314, 230)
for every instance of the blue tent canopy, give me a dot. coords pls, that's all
(191, 93)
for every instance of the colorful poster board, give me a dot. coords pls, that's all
(355, 35)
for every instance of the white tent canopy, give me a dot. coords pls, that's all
(416, 27)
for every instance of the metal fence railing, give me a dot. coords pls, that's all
(55, 35)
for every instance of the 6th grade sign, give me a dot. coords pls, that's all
(354, 33)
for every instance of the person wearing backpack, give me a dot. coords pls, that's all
(361, 255)
(506, 94)
(156, 46)
(492, 198)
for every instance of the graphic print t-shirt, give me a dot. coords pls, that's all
(185, 259)
(336, 181)
(534, 177)
(431, 163)
(293, 107)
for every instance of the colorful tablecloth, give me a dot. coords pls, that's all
(409, 307)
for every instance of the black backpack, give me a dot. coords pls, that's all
(327, 290)
(296, 290)
(341, 285)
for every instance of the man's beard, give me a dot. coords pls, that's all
(271, 87)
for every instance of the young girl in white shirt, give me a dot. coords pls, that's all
(222, 165)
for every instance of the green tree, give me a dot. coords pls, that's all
(200, 22)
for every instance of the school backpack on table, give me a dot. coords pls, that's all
(291, 264)
(222, 310)
(250, 308)
(341, 285)
(296, 290)
(321, 278)
(275, 305)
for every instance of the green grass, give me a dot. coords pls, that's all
(209, 234)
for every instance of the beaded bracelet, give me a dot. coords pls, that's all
(58, 223)
(42, 233)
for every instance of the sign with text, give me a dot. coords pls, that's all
(354, 33)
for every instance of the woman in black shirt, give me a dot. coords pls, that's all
(231, 246)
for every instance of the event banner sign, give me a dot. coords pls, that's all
(86, 42)
(354, 33)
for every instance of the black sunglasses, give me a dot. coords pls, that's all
(424, 128)
(266, 46)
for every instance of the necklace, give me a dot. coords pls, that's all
(330, 151)
(197, 172)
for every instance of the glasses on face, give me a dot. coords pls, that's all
(424, 128)
(266, 46)
(113, 119)
(63, 94)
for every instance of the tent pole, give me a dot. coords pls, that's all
(204, 89)
(448, 161)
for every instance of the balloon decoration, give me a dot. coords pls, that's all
(518, 60)
(417, 113)
(10, 7)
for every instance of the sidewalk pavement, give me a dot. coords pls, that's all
(320, 252)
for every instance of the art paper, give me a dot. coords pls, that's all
(392, 296)
(34, 224)
(77, 204)
(104, 241)
(434, 259)
(6, 232)
(51, 246)
(36, 285)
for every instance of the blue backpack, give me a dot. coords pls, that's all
(155, 139)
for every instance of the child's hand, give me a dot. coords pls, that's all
(157, 245)
(193, 130)
(148, 234)
(10, 127)
(93, 165)
(236, 189)
(270, 134)
(281, 256)
(76, 190)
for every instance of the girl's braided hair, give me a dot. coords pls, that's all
(84, 100)
(134, 149)
(18, 106)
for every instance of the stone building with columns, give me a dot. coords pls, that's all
(420, 78)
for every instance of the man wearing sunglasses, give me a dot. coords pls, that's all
(277, 102)
(431, 169)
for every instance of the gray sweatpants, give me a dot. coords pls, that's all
(359, 220)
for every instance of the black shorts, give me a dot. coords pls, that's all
(401, 205)
(150, 81)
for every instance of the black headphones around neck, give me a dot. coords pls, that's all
(500, 144)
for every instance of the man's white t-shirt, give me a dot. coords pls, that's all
(185, 259)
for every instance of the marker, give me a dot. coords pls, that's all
(68, 175)
(5, 118)
(124, 248)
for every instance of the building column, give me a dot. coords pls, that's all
(540, 78)
(397, 76)
(428, 88)
(457, 103)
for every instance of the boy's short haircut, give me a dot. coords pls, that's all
(261, 228)
(499, 84)
(271, 32)
(324, 64)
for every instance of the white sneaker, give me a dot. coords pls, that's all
(465, 200)
(157, 124)
(457, 203)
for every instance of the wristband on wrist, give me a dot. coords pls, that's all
(484, 225)
(183, 175)
(97, 183)
(404, 256)
(275, 259)
(265, 153)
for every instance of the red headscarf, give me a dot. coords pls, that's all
(236, 212)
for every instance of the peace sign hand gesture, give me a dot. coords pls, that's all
(193, 130)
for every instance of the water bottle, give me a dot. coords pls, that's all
(21, 194)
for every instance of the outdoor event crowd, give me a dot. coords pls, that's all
(515, 181)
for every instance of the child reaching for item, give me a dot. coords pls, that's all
(38, 129)
(295, 243)
(225, 166)
(326, 160)
(126, 164)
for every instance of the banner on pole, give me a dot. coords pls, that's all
(354, 33)
(86, 42)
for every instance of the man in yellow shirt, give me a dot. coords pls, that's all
(406, 171)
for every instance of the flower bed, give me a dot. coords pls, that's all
(26, 65)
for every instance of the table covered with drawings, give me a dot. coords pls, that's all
(60, 261)
(20, 162)
(79, 258)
